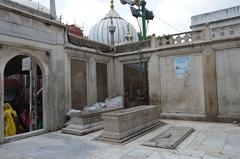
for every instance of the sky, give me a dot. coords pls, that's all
(171, 16)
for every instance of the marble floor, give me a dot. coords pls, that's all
(208, 141)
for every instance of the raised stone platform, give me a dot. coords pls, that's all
(85, 122)
(123, 125)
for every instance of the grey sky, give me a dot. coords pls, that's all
(177, 13)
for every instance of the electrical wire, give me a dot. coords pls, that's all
(168, 24)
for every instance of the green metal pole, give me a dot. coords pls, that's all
(144, 29)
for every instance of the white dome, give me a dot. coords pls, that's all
(34, 5)
(100, 31)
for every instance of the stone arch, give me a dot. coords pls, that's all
(7, 58)
(41, 58)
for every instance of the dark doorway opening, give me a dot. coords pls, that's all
(135, 84)
(102, 82)
(23, 97)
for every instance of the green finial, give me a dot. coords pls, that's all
(112, 5)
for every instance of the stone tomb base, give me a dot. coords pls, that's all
(122, 125)
(170, 138)
(86, 122)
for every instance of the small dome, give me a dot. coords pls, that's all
(100, 31)
(34, 5)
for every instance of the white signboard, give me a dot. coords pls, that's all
(26, 64)
(181, 64)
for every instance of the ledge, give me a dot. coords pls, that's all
(32, 16)
(183, 116)
(82, 42)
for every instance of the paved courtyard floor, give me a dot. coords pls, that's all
(209, 141)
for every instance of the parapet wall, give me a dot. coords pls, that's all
(220, 16)
(25, 8)
(216, 16)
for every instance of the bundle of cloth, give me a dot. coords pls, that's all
(111, 102)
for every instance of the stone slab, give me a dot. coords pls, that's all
(171, 138)
(78, 131)
(84, 122)
(123, 125)
(134, 136)
(63, 146)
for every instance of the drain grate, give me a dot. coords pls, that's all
(170, 138)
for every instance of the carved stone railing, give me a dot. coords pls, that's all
(200, 35)
(181, 38)
(25, 8)
(226, 31)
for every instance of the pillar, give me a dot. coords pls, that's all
(34, 107)
(92, 81)
(118, 83)
(46, 101)
(53, 13)
(154, 80)
(210, 83)
(1, 109)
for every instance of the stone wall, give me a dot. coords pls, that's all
(133, 46)
(25, 8)
(27, 26)
(83, 42)
(95, 89)
(78, 84)
(205, 88)
(43, 40)
(228, 81)
(182, 92)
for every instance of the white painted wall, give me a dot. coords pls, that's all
(182, 93)
(228, 82)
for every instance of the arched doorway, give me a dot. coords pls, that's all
(23, 97)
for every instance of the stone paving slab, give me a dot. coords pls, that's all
(170, 138)
(201, 144)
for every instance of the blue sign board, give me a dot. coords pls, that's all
(181, 64)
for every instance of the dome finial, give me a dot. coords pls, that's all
(112, 5)
(128, 37)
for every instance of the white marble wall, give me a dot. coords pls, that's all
(182, 93)
(228, 82)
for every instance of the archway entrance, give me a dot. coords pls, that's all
(23, 98)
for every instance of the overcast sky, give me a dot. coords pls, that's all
(177, 13)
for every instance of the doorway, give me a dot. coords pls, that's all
(23, 96)
(135, 84)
